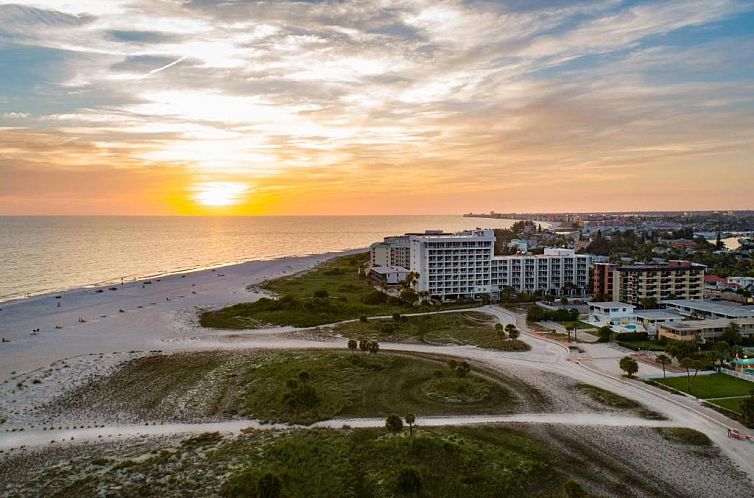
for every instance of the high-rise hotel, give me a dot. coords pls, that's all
(464, 265)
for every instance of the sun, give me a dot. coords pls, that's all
(219, 194)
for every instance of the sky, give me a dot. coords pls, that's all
(142, 107)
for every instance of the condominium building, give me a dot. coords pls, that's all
(692, 330)
(391, 252)
(695, 308)
(453, 265)
(602, 280)
(678, 279)
(464, 265)
(557, 271)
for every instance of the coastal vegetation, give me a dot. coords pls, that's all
(438, 328)
(293, 387)
(606, 398)
(488, 461)
(684, 435)
(334, 291)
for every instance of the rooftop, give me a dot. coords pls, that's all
(705, 324)
(610, 304)
(657, 314)
(733, 310)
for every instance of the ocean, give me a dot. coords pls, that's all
(54, 253)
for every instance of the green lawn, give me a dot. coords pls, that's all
(579, 325)
(732, 404)
(717, 385)
(439, 328)
(211, 385)
(348, 296)
(645, 345)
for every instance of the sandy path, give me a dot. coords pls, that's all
(45, 437)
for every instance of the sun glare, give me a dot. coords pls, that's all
(219, 194)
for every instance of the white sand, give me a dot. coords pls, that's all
(156, 315)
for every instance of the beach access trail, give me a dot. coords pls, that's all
(162, 316)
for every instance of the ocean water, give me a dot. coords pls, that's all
(47, 254)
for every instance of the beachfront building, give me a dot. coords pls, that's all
(694, 330)
(391, 252)
(675, 280)
(651, 319)
(388, 277)
(694, 308)
(464, 265)
(619, 317)
(453, 265)
(556, 271)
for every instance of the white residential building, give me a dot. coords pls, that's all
(388, 277)
(557, 271)
(392, 252)
(453, 265)
(464, 265)
(616, 315)
(696, 308)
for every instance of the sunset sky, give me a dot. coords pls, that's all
(375, 107)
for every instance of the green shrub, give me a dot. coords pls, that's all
(375, 297)
(409, 482)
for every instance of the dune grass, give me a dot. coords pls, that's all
(445, 462)
(347, 296)
(606, 398)
(684, 435)
(339, 278)
(270, 386)
(717, 385)
(365, 463)
(438, 328)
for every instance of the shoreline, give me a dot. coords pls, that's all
(147, 314)
(135, 279)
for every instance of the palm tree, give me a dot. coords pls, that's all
(352, 344)
(663, 360)
(410, 420)
(513, 334)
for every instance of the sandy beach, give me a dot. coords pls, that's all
(138, 316)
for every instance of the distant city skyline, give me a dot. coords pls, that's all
(140, 107)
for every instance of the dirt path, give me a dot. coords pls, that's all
(29, 439)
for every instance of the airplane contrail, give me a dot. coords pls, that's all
(165, 66)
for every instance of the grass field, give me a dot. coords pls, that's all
(645, 345)
(732, 404)
(717, 385)
(348, 296)
(443, 328)
(268, 386)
